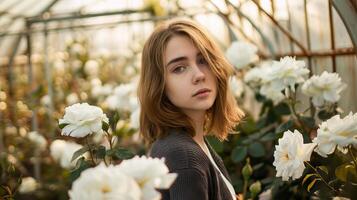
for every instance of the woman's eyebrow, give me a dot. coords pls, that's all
(178, 59)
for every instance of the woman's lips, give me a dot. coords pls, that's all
(202, 93)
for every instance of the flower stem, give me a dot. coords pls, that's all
(245, 187)
(319, 175)
(109, 138)
(90, 151)
(296, 116)
(353, 157)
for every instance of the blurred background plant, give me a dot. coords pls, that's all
(292, 73)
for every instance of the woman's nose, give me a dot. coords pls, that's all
(198, 74)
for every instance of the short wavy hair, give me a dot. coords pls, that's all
(158, 114)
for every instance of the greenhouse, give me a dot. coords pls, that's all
(178, 99)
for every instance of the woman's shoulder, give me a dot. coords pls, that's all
(180, 151)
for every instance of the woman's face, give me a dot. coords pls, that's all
(190, 83)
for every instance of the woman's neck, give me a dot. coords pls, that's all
(198, 119)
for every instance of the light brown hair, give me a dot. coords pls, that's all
(158, 114)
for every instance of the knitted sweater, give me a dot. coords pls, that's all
(197, 178)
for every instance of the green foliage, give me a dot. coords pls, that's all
(120, 153)
(81, 165)
(345, 170)
(256, 149)
(80, 152)
(285, 126)
(216, 144)
(239, 153)
(61, 126)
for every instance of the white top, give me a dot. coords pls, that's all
(228, 184)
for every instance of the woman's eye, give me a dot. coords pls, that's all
(179, 69)
(202, 61)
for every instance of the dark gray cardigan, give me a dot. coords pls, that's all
(197, 179)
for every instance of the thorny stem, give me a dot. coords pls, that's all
(319, 175)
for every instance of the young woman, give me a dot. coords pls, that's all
(184, 96)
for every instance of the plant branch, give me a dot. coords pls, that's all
(319, 175)
(296, 116)
(353, 157)
(90, 151)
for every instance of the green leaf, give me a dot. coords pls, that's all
(100, 152)
(239, 153)
(61, 126)
(308, 121)
(215, 143)
(105, 126)
(260, 98)
(342, 171)
(282, 109)
(120, 153)
(307, 177)
(81, 165)
(245, 141)
(261, 123)
(271, 117)
(285, 126)
(248, 126)
(114, 120)
(256, 149)
(79, 152)
(268, 137)
(324, 115)
(256, 135)
(312, 184)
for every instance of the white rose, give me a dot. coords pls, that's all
(37, 139)
(76, 64)
(62, 151)
(82, 119)
(151, 173)
(103, 182)
(124, 97)
(237, 86)
(28, 184)
(91, 68)
(95, 82)
(286, 73)
(240, 54)
(272, 93)
(59, 67)
(67, 155)
(336, 132)
(326, 87)
(275, 77)
(45, 100)
(290, 154)
(135, 119)
(256, 76)
(56, 149)
(99, 90)
(78, 48)
(72, 99)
